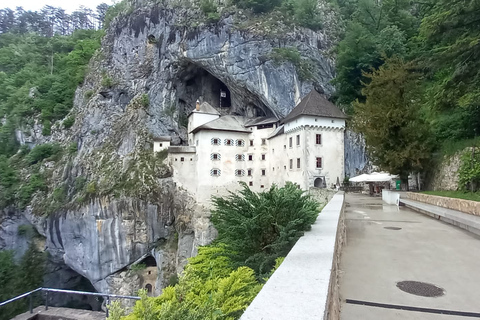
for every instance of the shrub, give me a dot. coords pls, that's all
(144, 100)
(68, 122)
(91, 188)
(89, 94)
(26, 191)
(210, 10)
(260, 227)
(107, 81)
(72, 148)
(43, 151)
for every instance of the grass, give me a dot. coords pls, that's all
(474, 196)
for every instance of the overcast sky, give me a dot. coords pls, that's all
(68, 5)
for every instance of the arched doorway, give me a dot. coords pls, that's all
(149, 288)
(319, 182)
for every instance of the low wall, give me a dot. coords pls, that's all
(467, 206)
(390, 197)
(305, 286)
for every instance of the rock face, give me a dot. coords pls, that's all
(153, 65)
(356, 160)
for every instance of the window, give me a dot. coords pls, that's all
(215, 156)
(240, 143)
(264, 172)
(318, 139)
(251, 143)
(182, 159)
(250, 183)
(263, 156)
(264, 142)
(239, 173)
(291, 164)
(290, 142)
(262, 186)
(249, 172)
(250, 157)
(161, 144)
(298, 162)
(239, 157)
(228, 142)
(284, 146)
(215, 172)
(319, 162)
(216, 141)
(298, 139)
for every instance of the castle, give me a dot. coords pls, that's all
(306, 147)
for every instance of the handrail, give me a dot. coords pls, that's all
(19, 297)
(47, 290)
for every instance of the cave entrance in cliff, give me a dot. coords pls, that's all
(193, 83)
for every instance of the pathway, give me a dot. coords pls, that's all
(424, 249)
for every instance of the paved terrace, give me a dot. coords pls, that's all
(374, 259)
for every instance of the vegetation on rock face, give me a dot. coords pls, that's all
(17, 278)
(255, 231)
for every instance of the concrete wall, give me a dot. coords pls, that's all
(467, 206)
(390, 197)
(305, 286)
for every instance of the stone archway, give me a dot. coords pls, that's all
(149, 288)
(319, 182)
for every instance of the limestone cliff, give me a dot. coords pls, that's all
(117, 200)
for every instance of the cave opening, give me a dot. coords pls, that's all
(196, 83)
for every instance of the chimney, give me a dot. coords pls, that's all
(198, 105)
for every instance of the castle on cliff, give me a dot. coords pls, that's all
(306, 147)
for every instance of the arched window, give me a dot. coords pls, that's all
(240, 143)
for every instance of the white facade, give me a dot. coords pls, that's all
(308, 150)
(159, 145)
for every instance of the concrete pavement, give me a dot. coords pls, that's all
(374, 259)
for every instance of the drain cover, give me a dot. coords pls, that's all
(420, 288)
(392, 228)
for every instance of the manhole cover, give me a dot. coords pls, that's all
(392, 228)
(420, 288)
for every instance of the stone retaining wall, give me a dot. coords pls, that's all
(467, 206)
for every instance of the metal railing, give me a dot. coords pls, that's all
(47, 290)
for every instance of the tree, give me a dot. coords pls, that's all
(397, 137)
(257, 228)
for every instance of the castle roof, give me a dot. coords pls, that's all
(225, 123)
(206, 107)
(260, 121)
(314, 104)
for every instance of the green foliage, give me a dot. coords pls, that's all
(91, 188)
(303, 12)
(122, 7)
(138, 268)
(258, 6)
(18, 278)
(43, 151)
(89, 94)
(35, 183)
(210, 10)
(397, 137)
(303, 66)
(144, 100)
(115, 311)
(465, 195)
(68, 122)
(25, 230)
(107, 81)
(73, 148)
(257, 228)
(8, 182)
(31, 85)
(469, 171)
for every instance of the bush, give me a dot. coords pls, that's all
(43, 151)
(261, 227)
(144, 100)
(68, 122)
(258, 6)
(91, 188)
(303, 67)
(26, 191)
(107, 81)
(210, 10)
(72, 148)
